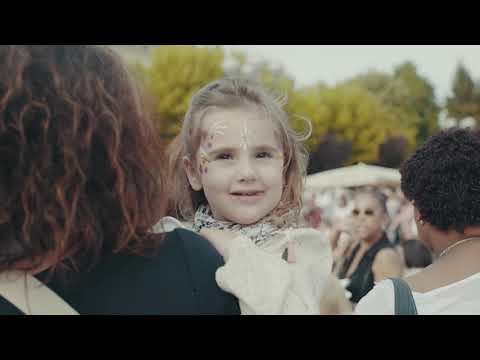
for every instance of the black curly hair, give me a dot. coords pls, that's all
(443, 179)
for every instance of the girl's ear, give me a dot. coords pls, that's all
(192, 174)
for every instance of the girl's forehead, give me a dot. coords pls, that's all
(230, 124)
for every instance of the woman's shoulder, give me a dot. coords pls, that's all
(388, 256)
(180, 250)
(379, 301)
(177, 278)
(194, 247)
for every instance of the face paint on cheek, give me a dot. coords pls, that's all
(203, 139)
(204, 161)
(215, 130)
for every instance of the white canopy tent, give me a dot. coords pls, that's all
(351, 176)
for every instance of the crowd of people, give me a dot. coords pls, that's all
(106, 221)
(373, 236)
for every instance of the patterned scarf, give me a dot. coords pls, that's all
(258, 233)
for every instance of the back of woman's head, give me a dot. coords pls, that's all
(80, 173)
(442, 178)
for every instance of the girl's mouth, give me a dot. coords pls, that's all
(247, 193)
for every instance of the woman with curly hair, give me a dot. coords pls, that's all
(442, 181)
(81, 186)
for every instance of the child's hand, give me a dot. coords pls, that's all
(220, 239)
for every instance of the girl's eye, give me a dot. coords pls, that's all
(224, 157)
(264, 155)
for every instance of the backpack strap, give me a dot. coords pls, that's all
(404, 301)
(31, 296)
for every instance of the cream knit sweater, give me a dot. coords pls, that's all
(266, 284)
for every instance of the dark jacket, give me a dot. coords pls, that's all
(179, 280)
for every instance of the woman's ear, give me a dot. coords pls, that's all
(192, 174)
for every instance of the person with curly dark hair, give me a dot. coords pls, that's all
(442, 179)
(81, 186)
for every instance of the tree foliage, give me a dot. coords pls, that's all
(173, 76)
(465, 99)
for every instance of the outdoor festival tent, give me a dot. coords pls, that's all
(351, 176)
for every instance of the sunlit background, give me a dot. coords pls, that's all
(371, 104)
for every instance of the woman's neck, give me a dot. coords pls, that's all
(463, 248)
(456, 265)
(444, 240)
(371, 240)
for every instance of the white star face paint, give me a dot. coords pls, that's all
(244, 136)
(243, 179)
(218, 128)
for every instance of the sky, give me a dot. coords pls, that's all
(334, 63)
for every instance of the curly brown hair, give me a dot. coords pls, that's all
(80, 173)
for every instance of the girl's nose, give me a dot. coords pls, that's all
(246, 171)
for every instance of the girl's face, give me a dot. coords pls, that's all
(368, 217)
(239, 165)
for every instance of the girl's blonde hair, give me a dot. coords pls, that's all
(228, 93)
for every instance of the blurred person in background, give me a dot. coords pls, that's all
(402, 227)
(373, 257)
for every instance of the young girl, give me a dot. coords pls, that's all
(237, 172)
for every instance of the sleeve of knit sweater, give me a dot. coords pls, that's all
(265, 284)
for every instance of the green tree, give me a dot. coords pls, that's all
(465, 100)
(329, 154)
(422, 99)
(393, 93)
(408, 96)
(305, 103)
(273, 78)
(175, 73)
(353, 114)
(393, 152)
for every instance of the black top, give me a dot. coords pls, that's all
(180, 280)
(362, 279)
